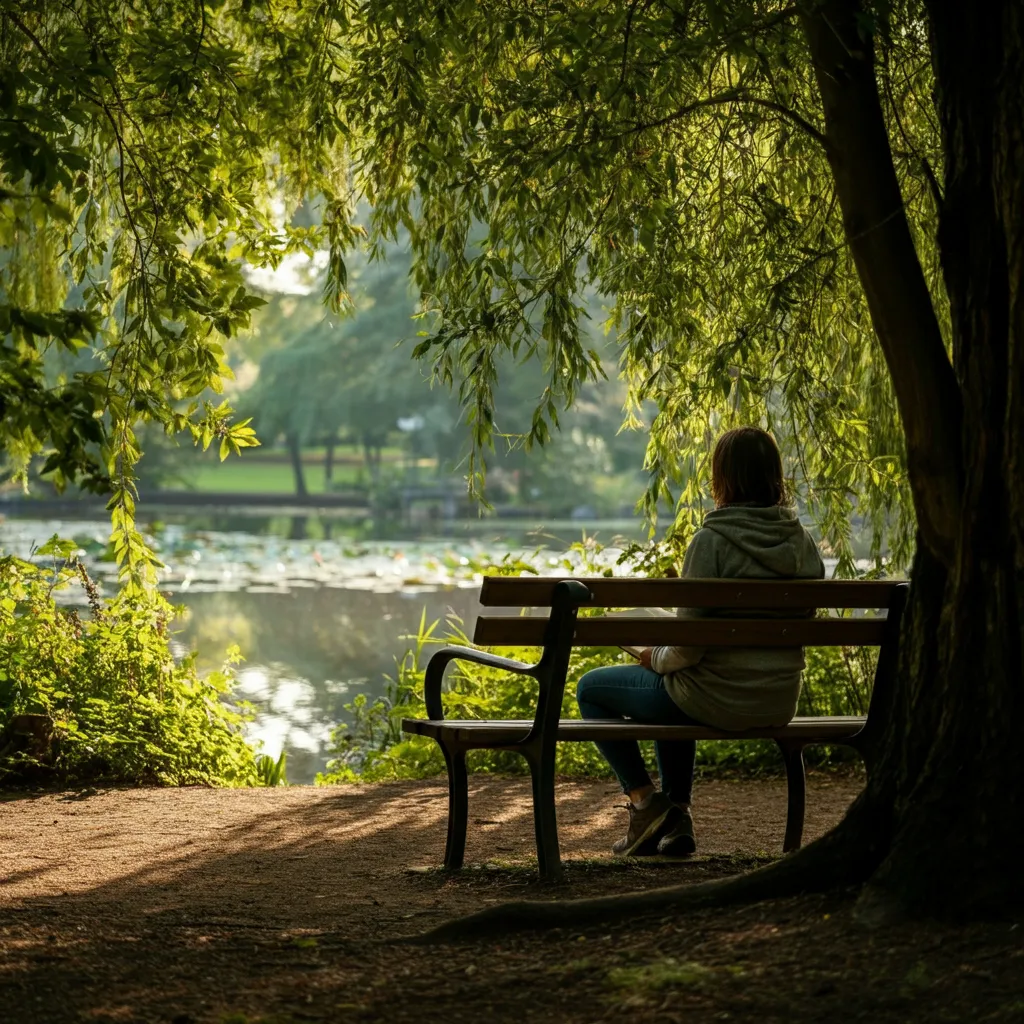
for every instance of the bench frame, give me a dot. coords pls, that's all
(539, 738)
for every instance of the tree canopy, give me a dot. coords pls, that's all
(673, 157)
(669, 157)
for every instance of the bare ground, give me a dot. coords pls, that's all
(195, 905)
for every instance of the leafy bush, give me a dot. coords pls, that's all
(112, 701)
(372, 747)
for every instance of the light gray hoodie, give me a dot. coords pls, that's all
(741, 687)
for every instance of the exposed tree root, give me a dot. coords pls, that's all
(827, 864)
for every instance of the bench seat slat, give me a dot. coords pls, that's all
(650, 632)
(611, 592)
(495, 733)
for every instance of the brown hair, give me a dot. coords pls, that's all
(746, 468)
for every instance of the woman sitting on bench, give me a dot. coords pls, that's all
(752, 533)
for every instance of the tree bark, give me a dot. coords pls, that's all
(944, 796)
(961, 793)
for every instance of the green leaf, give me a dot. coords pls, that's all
(59, 547)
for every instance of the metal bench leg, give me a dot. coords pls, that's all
(793, 756)
(458, 806)
(545, 822)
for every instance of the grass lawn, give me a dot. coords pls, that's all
(243, 475)
(264, 471)
(269, 471)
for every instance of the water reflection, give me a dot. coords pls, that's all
(308, 652)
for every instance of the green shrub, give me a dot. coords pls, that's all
(114, 704)
(371, 746)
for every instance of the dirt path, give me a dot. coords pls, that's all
(269, 905)
(301, 857)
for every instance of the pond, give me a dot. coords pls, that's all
(318, 621)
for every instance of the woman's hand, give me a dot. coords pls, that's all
(645, 656)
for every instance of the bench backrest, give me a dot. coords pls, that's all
(730, 597)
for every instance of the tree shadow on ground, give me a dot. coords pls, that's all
(163, 904)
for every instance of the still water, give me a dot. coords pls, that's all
(308, 652)
(317, 621)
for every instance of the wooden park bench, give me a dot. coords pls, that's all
(562, 628)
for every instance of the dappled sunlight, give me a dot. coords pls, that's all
(282, 876)
(302, 854)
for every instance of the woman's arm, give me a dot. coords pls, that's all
(699, 563)
(671, 659)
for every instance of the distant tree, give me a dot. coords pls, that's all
(323, 378)
(345, 376)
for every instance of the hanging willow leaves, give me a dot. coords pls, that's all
(146, 155)
(670, 157)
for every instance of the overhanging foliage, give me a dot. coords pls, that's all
(671, 156)
(145, 153)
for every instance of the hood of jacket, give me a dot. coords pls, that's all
(772, 537)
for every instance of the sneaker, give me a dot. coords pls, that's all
(647, 823)
(678, 841)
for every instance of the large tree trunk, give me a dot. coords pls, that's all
(944, 798)
(877, 232)
(960, 796)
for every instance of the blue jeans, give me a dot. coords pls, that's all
(637, 693)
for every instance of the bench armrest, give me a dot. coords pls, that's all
(440, 660)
